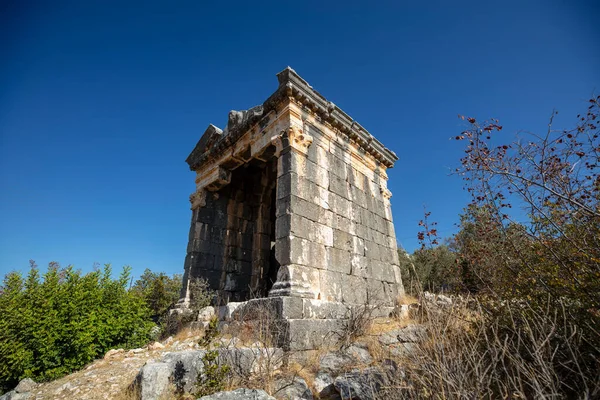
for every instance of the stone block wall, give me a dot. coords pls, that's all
(291, 201)
(334, 229)
(230, 236)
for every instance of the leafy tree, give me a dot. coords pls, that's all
(433, 269)
(54, 324)
(551, 258)
(159, 291)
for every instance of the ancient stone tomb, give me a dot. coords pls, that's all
(291, 204)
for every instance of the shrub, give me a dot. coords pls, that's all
(212, 379)
(159, 291)
(432, 269)
(173, 320)
(55, 324)
(524, 351)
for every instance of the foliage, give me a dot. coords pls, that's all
(201, 295)
(549, 262)
(432, 269)
(529, 246)
(57, 323)
(159, 291)
(554, 178)
(210, 333)
(212, 379)
(468, 353)
(172, 321)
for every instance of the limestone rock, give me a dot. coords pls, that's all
(225, 313)
(13, 395)
(323, 384)
(26, 385)
(409, 334)
(244, 361)
(206, 313)
(156, 346)
(178, 368)
(351, 356)
(184, 367)
(359, 353)
(360, 385)
(112, 352)
(292, 389)
(438, 300)
(152, 381)
(336, 361)
(239, 394)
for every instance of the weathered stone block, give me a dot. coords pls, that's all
(343, 224)
(360, 265)
(323, 309)
(339, 186)
(296, 250)
(397, 274)
(340, 205)
(331, 285)
(358, 245)
(376, 293)
(354, 289)
(269, 308)
(296, 280)
(339, 260)
(309, 210)
(313, 231)
(372, 250)
(317, 174)
(342, 240)
(308, 334)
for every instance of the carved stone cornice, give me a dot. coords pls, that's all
(294, 89)
(328, 112)
(298, 139)
(198, 199)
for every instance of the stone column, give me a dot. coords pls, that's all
(293, 278)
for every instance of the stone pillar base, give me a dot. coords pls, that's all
(294, 323)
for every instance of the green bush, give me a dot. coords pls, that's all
(159, 291)
(55, 324)
(172, 321)
(432, 269)
(213, 377)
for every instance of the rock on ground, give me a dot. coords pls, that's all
(323, 384)
(22, 391)
(153, 380)
(292, 389)
(239, 394)
(360, 385)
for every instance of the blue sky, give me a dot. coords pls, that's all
(101, 102)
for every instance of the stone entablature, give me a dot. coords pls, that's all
(291, 200)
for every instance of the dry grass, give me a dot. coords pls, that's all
(407, 299)
(523, 353)
(187, 333)
(383, 325)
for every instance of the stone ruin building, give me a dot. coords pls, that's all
(292, 207)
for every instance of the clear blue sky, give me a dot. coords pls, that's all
(101, 102)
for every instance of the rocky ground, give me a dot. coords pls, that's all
(354, 371)
(109, 377)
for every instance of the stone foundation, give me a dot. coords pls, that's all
(293, 323)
